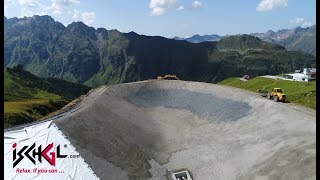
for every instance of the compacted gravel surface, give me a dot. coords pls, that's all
(149, 129)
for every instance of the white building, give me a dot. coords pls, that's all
(307, 74)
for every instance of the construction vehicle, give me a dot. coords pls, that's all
(168, 76)
(277, 95)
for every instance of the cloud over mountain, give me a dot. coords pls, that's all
(268, 5)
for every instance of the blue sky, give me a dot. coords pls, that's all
(171, 18)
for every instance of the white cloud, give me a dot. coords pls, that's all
(40, 7)
(197, 5)
(307, 24)
(159, 7)
(6, 5)
(32, 7)
(301, 22)
(268, 5)
(61, 6)
(43, 7)
(28, 3)
(180, 8)
(87, 17)
(296, 20)
(56, 8)
(76, 15)
(157, 11)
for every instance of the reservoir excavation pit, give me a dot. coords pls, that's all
(148, 129)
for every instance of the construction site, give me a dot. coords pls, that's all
(155, 129)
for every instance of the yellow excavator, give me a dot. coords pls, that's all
(168, 76)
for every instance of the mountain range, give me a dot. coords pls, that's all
(198, 38)
(83, 54)
(295, 39)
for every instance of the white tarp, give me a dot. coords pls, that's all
(71, 167)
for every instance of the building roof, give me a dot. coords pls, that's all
(296, 74)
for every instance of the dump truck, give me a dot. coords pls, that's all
(277, 95)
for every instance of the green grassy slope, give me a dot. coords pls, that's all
(297, 92)
(15, 88)
(29, 98)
